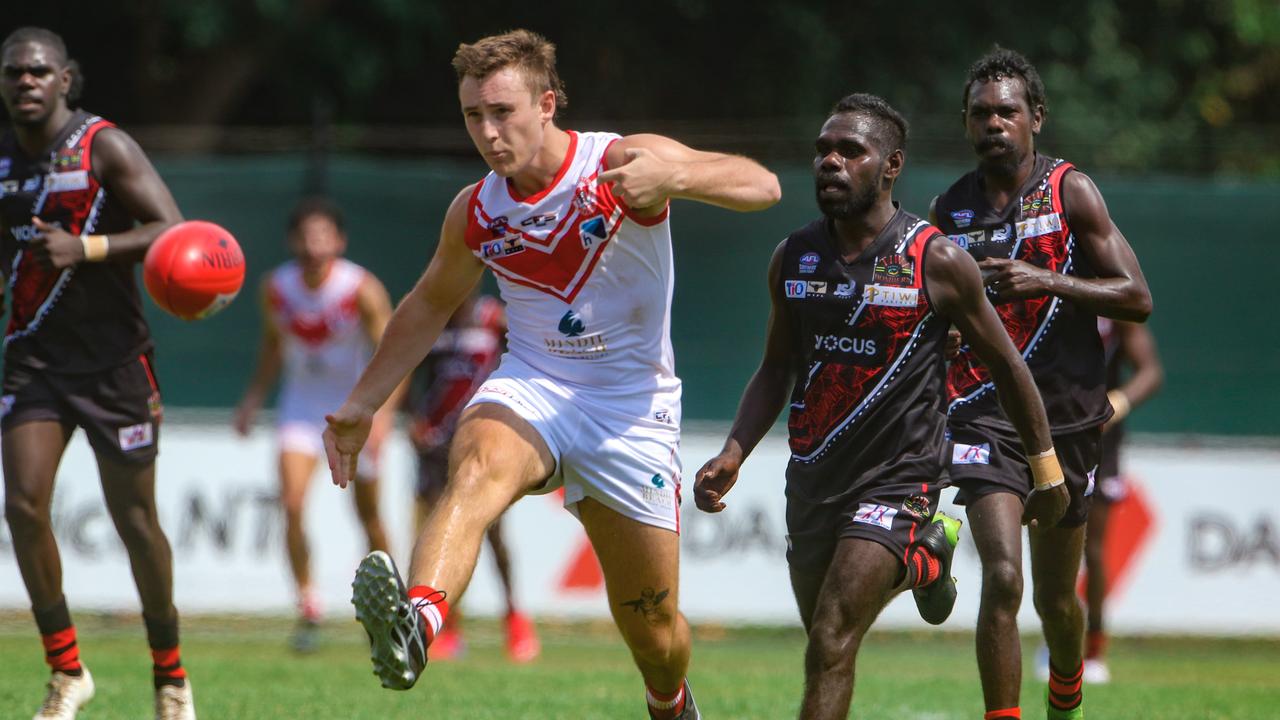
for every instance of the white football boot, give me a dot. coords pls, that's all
(65, 695)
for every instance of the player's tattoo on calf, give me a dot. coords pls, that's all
(648, 604)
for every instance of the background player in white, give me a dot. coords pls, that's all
(321, 316)
(575, 227)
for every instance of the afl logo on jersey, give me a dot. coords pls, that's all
(808, 263)
(498, 226)
(962, 218)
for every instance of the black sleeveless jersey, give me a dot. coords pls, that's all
(868, 404)
(1058, 339)
(84, 318)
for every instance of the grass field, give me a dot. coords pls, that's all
(242, 669)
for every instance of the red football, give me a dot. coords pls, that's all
(194, 269)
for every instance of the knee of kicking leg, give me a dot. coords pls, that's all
(1002, 583)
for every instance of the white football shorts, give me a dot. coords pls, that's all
(620, 449)
(305, 437)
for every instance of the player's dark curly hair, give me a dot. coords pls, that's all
(891, 127)
(316, 205)
(52, 41)
(1005, 63)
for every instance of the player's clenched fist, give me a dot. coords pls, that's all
(644, 181)
(345, 436)
(1046, 507)
(715, 479)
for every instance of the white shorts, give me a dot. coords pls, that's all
(305, 437)
(622, 451)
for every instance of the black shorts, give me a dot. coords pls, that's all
(1111, 484)
(119, 409)
(892, 515)
(433, 471)
(987, 460)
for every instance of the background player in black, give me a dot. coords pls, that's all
(78, 351)
(1127, 345)
(1004, 109)
(859, 156)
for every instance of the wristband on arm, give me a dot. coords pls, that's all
(1119, 403)
(1045, 470)
(95, 247)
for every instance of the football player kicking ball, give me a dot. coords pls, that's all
(575, 227)
(861, 302)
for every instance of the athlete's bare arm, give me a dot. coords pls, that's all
(649, 170)
(417, 321)
(267, 369)
(1138, 347)
(762, 402)
(1119, 291)
(955, 289)
(374, 305)
(128, 176)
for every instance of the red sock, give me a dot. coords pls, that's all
(62, 652)
(665, 706)
(1012, 713)
(924, 567)
(431, 604)
(166, 667)
(1064, 690)
(1095, 644)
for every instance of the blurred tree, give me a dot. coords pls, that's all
(1134, 85)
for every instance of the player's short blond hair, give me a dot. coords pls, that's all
(533, 55)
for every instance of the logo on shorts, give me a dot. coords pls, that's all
(136, 436)
(6, 405)
(571, 324)
(657, 492)
(962, 454)
(155, 407)
(872, 514)
(917, 506)
(962, 218)
(664, 417)
(808, 263)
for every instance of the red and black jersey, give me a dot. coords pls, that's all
(1057, 339)
(463, 356)
(84, 318)
(868, 404)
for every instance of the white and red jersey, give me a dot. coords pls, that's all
(587, 284)
(323, 341)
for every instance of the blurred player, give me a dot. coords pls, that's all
(861, 304)
(80, 203)
(322, 315)
(1052, 261)
(1133, 345)
(463, 356)
(575, 227)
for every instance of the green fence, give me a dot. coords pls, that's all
(1220, 347)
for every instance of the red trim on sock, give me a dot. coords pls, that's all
(61, 650)
(1005, 714)
(167, 663)
(435, 598)
(1095, 644)
(926, 565)
(666, 713)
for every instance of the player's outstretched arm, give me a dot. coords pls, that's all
(955, 288)
(648, 170)
(270, 359)
(1119, 291)
(762, 401)
(1138, 347)
(128, 176)
(413, 328)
